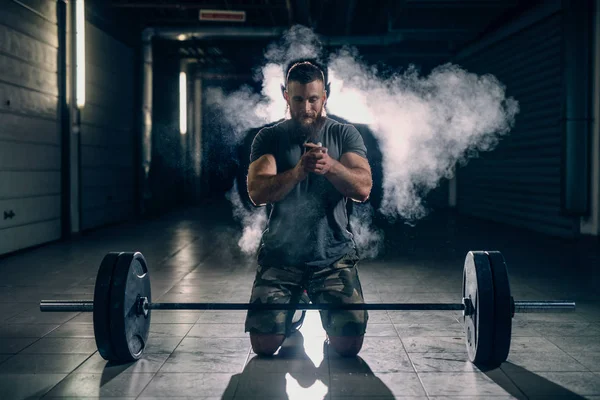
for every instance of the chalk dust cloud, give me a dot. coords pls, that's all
(424, 125)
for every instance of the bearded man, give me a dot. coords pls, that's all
(306, 168)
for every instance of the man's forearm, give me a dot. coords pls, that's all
(355, 183)
(272, 188)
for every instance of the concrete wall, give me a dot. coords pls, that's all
(107, 131)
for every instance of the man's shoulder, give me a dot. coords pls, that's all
(277, 126)
(272, 130)
(340, 127)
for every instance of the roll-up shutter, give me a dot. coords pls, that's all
(30, 141)
(519, 183)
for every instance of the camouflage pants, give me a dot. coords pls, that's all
(337, 284)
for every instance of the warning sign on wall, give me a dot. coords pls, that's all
(222, 15)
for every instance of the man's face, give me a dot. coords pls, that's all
(306, 101)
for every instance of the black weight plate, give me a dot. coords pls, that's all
(101, 314)
(502, 309)
(479, 326)
(129, 329)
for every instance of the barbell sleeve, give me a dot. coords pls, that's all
(544, 306)
(66, 306)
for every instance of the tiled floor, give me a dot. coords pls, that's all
(206, 355)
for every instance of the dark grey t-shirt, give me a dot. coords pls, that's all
(309, 226)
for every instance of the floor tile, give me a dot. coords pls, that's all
(381, 330)
(532, 344)
(548, 329)
(563, 317)
(590, 360)
(214, 345)
(204, 362)
(35, 316)
(169, 330)
(434, 344)
(386, 385)
(192, 384)
(378, 317)
(14, 345)
(546, 361)
(372, 361)
(442, 362)
(556, 383)
(102, 385)
(425, 330)
(62, 346)
(218, 331)
(486, 397)
(89, 397)
(460, 384)
(521, 328)
(162, 344)
(149, 363)
(388, 397)
(26, 330)
(294, 362)
(27, 386)
(83, 318)
(295, 385)
(42, 363)
(197, 397)
(382, 344)
(425, 317)
(175, 317)
(222, 317)
(10, 309)
(72, 330)
(576, 344)
(429, 297)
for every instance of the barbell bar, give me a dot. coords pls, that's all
(519, 306)
(122, 307)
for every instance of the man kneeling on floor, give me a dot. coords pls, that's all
(306, 168)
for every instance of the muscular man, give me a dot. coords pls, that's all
(306, 168)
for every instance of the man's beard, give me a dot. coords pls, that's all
(307, 132)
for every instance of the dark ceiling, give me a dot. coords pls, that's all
(424, 32)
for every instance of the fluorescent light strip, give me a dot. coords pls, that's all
(80, 51)
(182, 103)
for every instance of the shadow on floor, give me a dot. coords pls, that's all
(524, 384)
(291, 374)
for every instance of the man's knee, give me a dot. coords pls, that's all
(265, 344)
(346, 346)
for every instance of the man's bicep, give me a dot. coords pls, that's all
(353, 160)
(264, 165)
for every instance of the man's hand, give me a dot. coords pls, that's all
(299, 172)
(316, 159)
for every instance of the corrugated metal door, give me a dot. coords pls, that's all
(107, 134)
(30, 142)
(519, 183)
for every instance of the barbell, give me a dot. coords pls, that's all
(122, 307)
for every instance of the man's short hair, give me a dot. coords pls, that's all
(304, 72)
